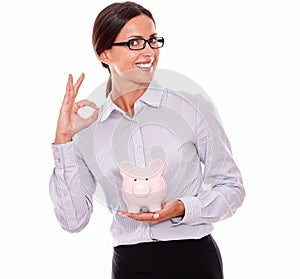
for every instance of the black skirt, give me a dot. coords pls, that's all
(176, 259)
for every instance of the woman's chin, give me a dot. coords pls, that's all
(139, 76)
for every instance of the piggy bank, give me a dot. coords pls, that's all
(143, 187)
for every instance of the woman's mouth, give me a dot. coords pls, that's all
(145, 65)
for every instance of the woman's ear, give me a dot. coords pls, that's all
(104, 57)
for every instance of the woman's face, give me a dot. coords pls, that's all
(134, 66)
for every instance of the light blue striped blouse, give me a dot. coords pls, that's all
(181, 129)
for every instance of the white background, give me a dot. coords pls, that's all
(244, 54)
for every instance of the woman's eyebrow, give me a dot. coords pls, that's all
(140, 37)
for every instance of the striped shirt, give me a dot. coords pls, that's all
(181, 129)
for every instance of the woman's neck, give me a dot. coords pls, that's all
(125, 98)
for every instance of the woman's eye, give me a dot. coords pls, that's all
(134, 42)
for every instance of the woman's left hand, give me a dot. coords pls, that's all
(172, 208)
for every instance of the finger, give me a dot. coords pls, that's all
(68, 89)
(92, 118)
(156, 216)
(153, 218)
(71, 78)
(144, 217)
(78, 84)
(147, 217)
(85, 102)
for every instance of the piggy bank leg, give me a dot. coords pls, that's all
(133, 208)
(154, 207)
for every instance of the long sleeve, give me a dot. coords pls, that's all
(222, 191)
(71, 188)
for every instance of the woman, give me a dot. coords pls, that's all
(141, 121)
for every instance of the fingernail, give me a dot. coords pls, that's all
(156, 216)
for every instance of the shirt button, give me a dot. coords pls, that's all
(56, 149)
(138, 146)
(58, 160)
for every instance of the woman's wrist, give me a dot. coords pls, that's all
(180, 209)
(62, 139)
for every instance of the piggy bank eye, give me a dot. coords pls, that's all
(146, 179)
(134, 179)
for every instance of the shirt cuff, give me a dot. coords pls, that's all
(192, 210)
(194, 206)
(176, 220)
(63, 155)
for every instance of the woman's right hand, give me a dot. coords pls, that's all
(69, 121)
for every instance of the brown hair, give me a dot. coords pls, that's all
(108, 25)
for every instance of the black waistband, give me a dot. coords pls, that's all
(154, 244)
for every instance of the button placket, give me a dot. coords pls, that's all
(138, 144)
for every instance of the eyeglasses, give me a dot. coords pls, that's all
(138, 44)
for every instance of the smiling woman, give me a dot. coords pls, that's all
(132, 21)
(132, 63)
(138, 119)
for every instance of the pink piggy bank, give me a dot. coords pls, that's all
(143, 187)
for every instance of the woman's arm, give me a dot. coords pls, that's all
(71, 183)
(222, 191)
(71, 188)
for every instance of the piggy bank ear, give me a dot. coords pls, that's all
(157, 166)
(126, 168)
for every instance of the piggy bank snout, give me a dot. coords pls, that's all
(141, 189)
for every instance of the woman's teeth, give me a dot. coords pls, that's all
(142, 65)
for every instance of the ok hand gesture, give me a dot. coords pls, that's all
(69, 121)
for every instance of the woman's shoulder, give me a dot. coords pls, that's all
(196, 100)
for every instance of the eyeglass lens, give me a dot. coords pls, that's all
(141, 43)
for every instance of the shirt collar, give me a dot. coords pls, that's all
(108, 107)
(152, 97)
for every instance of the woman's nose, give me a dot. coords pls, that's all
(148, 51)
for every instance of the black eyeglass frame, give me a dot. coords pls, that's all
(149, 41)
